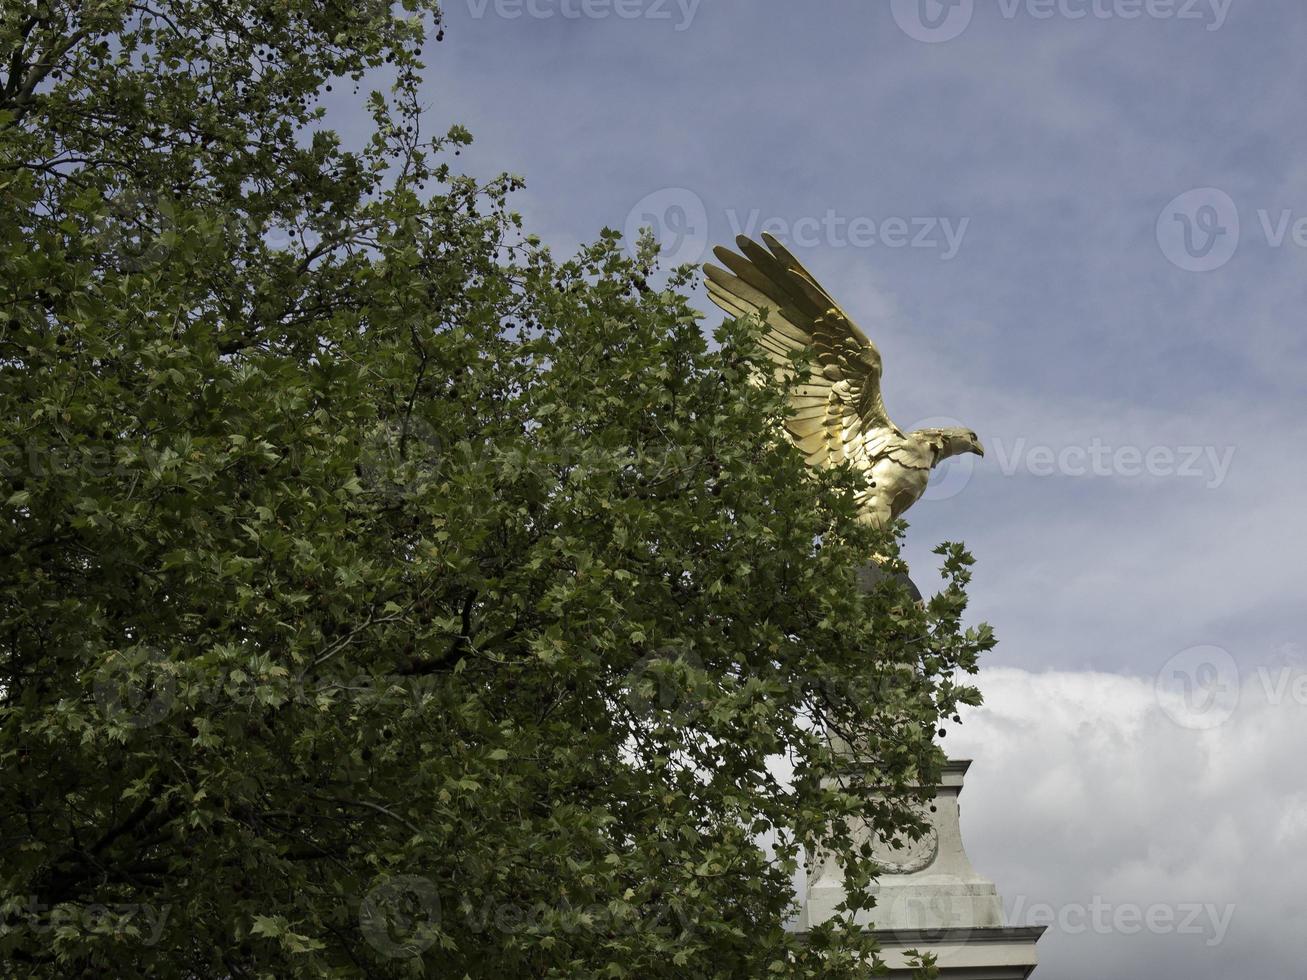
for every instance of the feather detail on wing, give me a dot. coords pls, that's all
(838, 409)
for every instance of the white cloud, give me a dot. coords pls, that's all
(1088, 802)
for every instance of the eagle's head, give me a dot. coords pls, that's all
(953, 442)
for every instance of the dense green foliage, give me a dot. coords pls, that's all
(380, 595)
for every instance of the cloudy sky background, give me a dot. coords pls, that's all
(1138, 520)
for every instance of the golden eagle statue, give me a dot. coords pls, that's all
(838, 412)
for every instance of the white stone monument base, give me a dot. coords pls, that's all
(929, 898)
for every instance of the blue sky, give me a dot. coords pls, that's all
(1060, 322)
(1107, 283)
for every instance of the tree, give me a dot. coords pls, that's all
(381, 594)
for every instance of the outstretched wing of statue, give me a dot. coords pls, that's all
(838, 410)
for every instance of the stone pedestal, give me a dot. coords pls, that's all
(930, 898)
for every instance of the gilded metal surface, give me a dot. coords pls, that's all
(838, 413)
